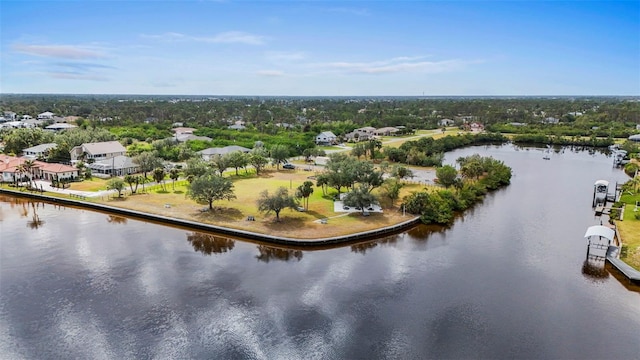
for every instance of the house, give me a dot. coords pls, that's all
(551, 120)
(116, 166)
(97, 151)
(59, 127)
(183, 130)
(9, 115)
(186, 137)
(51, 171)
(9, 169)
(47, 115)
(208, 154)
(38, 151)
(474, 127)
(445, 122)
(326, 138)
(369, 130)
(236, 127)
(386, 131)
(634, 138)
(638, 127)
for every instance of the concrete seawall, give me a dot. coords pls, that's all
(236, 233)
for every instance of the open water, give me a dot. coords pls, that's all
(507, 280)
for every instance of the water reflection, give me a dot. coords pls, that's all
(594, 270)
(268, 253)
(362, 248)
(115, 219)
(210, 244)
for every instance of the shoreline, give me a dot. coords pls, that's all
(236, 233)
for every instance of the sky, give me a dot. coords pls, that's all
(321, 48)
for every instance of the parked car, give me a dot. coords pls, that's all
(288, 166)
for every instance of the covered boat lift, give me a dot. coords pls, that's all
(600, 192)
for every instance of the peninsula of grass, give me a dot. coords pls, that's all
(172, 201)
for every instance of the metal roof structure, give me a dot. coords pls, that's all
(599, 230)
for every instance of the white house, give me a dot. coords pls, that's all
(59, 127)
(97, 151)
(38, 151)
(445, 122)
(208, 154)
(551, 120)
(326, 138)
(47, 115)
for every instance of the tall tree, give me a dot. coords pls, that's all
(279, 154)
(209, 188)
(258, 158)
(304, 191)
(276, 202)
(360, 197)
(158, 176)
(131, 180)
(116, 184)
(147, 161)
(220, 163)
(174, 174)
(447, 175)
(237, 159)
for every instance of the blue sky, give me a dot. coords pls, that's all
(401, 48)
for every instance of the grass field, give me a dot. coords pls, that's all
(629, 230)
(233, 214)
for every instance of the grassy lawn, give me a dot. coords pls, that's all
(629, 230)
(233, 214)
(95, 184)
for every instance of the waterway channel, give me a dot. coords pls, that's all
(506, 280)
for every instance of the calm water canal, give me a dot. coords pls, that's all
(505, 281)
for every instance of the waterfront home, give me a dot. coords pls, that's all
(326, 138)
(208, 154)
(90, 152)
(51, 171)
(116, 166)
(10, 169)
(38, 151)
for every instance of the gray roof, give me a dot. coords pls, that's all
(186, 137)
(118, 162)
(60, 126)
(223, 150)
(40, 148)
(634, 137)
(104, 147)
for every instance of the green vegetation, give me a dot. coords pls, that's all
(480, 174)
(209, 188)
(276, 202)
(629, 228)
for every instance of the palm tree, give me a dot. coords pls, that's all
(304, 191)
(28, 167)
(174, 174)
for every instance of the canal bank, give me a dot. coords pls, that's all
(238, 233)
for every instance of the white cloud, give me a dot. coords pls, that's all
(59, 51)
(396, 65)
(229, 37)
(271, 73)
(279, 56)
